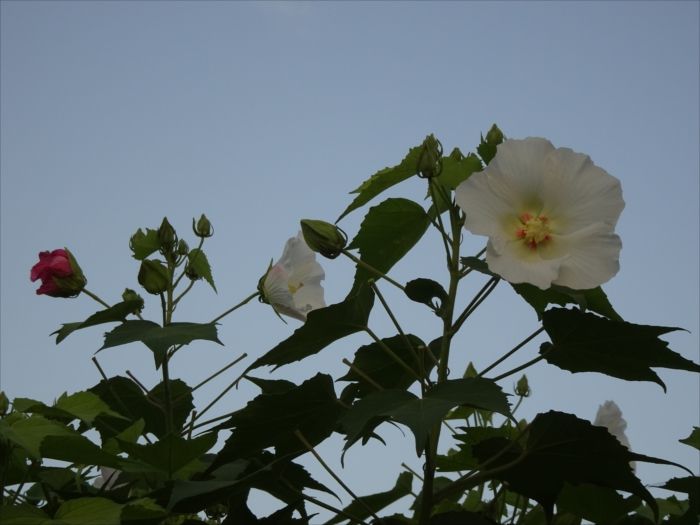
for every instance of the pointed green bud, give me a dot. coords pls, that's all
(470, 371)
(4, 404)
(131, 295)
(323, 237)
(456, 154)
(487, 148)
(167, 237)
(522, 388)
(153, 276)
(202, 228)
(182, 248)
(494, 135)
(430, 158)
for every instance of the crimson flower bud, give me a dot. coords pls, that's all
(60, 274)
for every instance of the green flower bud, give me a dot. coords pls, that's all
(456, 154)
(131, 295)
(494, 135)
(167, 237)
(323, 237)
(470, 371)
(430, 158)
(182, 248)
(522, 388)
(4, 404)
(153, 276)
(202, 228)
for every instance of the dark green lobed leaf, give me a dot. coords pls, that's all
(583, 342)
(114, 314)
(426, 291)
(198, 262)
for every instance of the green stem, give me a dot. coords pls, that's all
(93, 296)
(406, 340)
(388, 351)
(337, 478)
(511, 352)
(479, 298)
(177, 281)
(521, 367)
(372, 269)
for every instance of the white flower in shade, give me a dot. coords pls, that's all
(107, 479)
(293, 284)
(610, 416)
(549, 214)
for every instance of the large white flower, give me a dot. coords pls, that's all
(549, 213)
(609, 416)
(293, 284)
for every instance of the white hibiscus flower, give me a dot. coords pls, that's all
(609, 416)
(292, 286)
(549, 213)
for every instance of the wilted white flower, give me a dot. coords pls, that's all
(610, 416)
(549, 213)
(293, 284)
(106, 479)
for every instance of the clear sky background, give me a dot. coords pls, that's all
(115, 114)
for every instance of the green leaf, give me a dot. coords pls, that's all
(562, 448)
(322, 327)
(456, 170)
(85, 406)
(199, 263)
(387, 233)
(372, 361)
(30, 432)
(600, 505)
(384, 179)
(130, 434)
(171, 453)
(182, 405)
(24, 514)
(159, 339)
(144, 244)
(594, 299)
(693, 439)
(113, 314)
(421, 415)
(487, 148)
(360, 509)
(140, 510)
(272, 386)
(90, 511)
(77, 449)
(689, 485)
(426, 291)
(583, 342)
(270, 420)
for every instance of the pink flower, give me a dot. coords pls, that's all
(59, 273)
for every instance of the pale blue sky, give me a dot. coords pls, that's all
(259, 114)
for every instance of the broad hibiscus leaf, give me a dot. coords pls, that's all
(124, 396)
(158, 338)
(561, 448)
(360, 509)
(114, 314)
(171, 453)
(29, 433)
(597, 504)
(583, 342)
(387, 233)
(374, 362)
(421, 415)
(457, 168)
(271, 420)
(89, 511)
(77, 449)
(322, 327)
(144, 244)
(85, 406)
(594, 299)
(384, 179)
(689, 485)
(24, 514)
(693, 440)
(199, 263)
(142, 510)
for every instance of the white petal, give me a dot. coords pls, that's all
(296, 252)
(609, 416)
(577, 193)
(521, 163)
(517, 263)
(594, 254)
(488, 205)
(276, 287)
(309, 297)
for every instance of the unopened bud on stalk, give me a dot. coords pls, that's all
(430, 158)
(131, 295)
(182, 248)
(522, 388)
(323, 237)
(167, 237)
(153, 276)
(202, 228)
